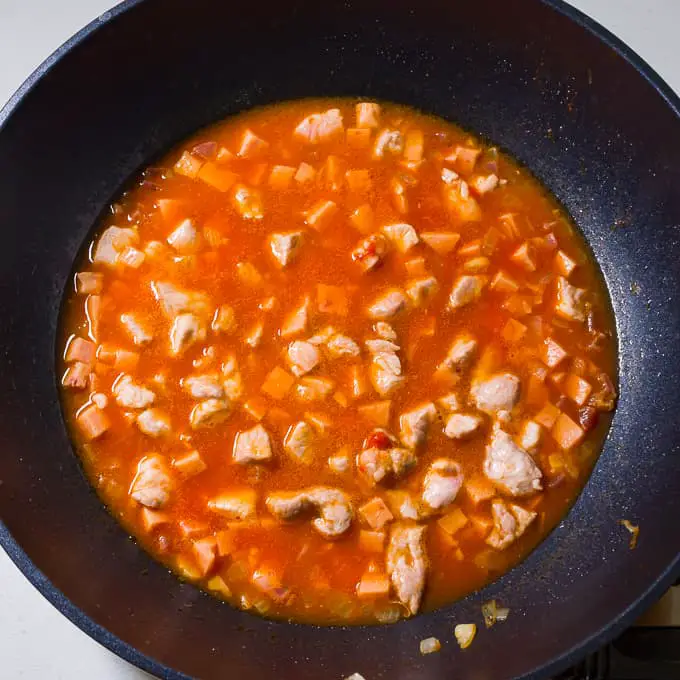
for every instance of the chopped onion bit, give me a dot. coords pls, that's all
(502, 614)
(634, 532)
(465, 634)
(355, 676)
(490, 613)
(430, 645)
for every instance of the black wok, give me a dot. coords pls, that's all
(555, 90)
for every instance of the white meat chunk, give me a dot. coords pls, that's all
(368, 114)
(136, 329)
(407, 564)
(152, 485)
(482, 184)
(320, 127)
(442, 483)
(333, 507)
(187, 329)
(207, 386)
(299, 442)
(184, 238)
(296, 321)
(388, 142)
(461, 353)
(302, 357)
(385, 373)
(129, 394)
(509, 523)
(500, 392)
(510, 466)
(233, 382)
(322, 336)
(174, 300)
(369, 253)
(449, 402)
(570, 303)
(530, 436)
(248, 202)
(385, 331)
(209, 413)
(402, 235)
(380, 346)
(420, 291)
(339, 463)
(462, 425)
(382, 459)
(342, 346)
(313, 389)
(112, 243)
(154, 423)
(465, 290)
(252, 446)
(415, 423)
(285, 247)
(235, 505)
(387, 305)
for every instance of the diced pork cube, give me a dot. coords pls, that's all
(414, 424)
(380, 346)
(208, 386)
(442, 483)
(385, 373)
(342, 346)
(509, 523)
(462, 425)
(385, 331)
(152, 484)
(387, 305)
(184, 238)
(313, 389)
(77, 376)
(370, 252)
(252, 446)
(299, 442)
(296, 321)
(510, 466)
(154, 423)
(137, 330)
(209, 413)
(285, 247)
(388, 142)
(129, 394)
(421, 290)
(112, 243)
(174, 300)
(407, 564)
(302, 357)
(251, 146)
(320, 127)
(224, 320)
(571, 301)
(235, 505)
(368, 115)
(461, 353)
(402, 235)
(466, 289)
(186, 330)
(500, 392)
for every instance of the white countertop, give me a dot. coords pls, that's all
(36, 641)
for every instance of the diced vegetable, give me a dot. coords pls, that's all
(377, 412)
(465, 634)
(566, 432)
(188, 165)
(278, 383)
(331, 300)
(81, 350)
(375, 513)
(577, 389)
(453, 521)
(93, 422)
(547, 416)
(362, 219)
(373, 585)
(281, 176)
(430, 645)
(443, 242)
(372, 541)
(320, 215)
(217, 177)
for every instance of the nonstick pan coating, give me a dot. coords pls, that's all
(592, 121)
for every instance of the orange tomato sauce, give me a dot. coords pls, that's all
(229, 189)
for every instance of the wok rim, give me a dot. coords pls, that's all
(134, 656)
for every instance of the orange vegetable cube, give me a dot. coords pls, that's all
(442, 242)
(278, 383)
(481, 523)
(93, 422)
(377, 412)
(471, 248)
(464, 159)
(205, 553)
(362, 219)
(88, 283)
(503, 283)
(305, 173)
(251, 145)
(577, 389)
(126, 361)
(358, 180)
(375, 513)
(281, 176)
(566, 432)
(249, 274)
(358, 138)
(547, 416)
(77, 376)
(479, 488)
(358, 381)
(217, 585)
(453, 521)
(256, 174)
(190, 464)
(79, 349)
(153, 518)
(320, 214)
(536, 391)
(331, 300)
(415, 267)
(513, 331)
(224, 541)
(190, 528)
(413, 146)
(256, 407)
(557, 378)
(217, 177)
(188, 165)
(552, 353)
(372, 541)
(525, 257)
(373, 584)
(563, 264)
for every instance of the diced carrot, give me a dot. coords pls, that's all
(513, 331)
(251, 145)
(153, 518)
(509, 226)
(93, 311)
(249, 274)
(320, 214)
(413, 146)
(278, 383)
(93, 422)
(518, 305)
(281, 176)
(341, 399)
(471, 248)
(552, 353)
(441, 242)
(77, 376)
(464, 159)
(415, 267)
(256, 407)
(481, 523)
(503, 283)
(547, 416)
(372, 541)
(331, 300)
(476, 265)
(186, 566)
(224, 155)
(368, 115)
(225, 542)
(377, 412)
(358, 138)
(463, 206)
(79, 349)
(217, 177)
(563, 264)
(362, 219)
(375, 513)
(453, 521)
(188, 165)
(577, 389)
(319, 421)
(525, 257)
(126, 361)
(190, 528)
(358, 381)
(557, 378)
(88, 283)
(218, 585)
(256, 174)
(358, 180)
(190, 464)
(537, 392)
(491, 240)
(373, 584)
(305, 173)
(169, 209)
(331, 174)
(205, 552)
(566, 432)
(267, 580)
